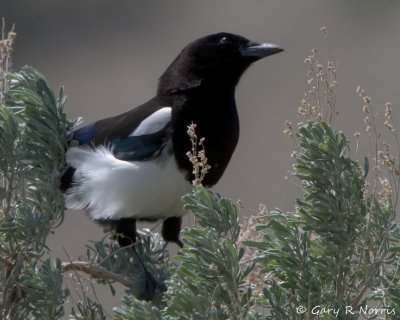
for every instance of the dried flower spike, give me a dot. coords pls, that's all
(197, 157)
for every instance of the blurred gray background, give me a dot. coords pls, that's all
(109, 55)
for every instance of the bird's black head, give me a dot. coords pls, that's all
(219, 58)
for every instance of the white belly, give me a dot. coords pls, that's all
(108, 188)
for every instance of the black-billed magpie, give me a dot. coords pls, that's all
(134, 166)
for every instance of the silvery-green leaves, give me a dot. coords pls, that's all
(340, 247)
(33, 141)
(208, 282)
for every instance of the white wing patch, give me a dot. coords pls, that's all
(109, 188)
(155, 122)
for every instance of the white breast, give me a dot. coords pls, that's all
(109, 188)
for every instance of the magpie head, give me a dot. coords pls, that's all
(218, 58)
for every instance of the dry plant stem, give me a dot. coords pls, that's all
(330, 82)
(197, 157)
(6, 48)
(95, 272)
(77, 281)
(10, 291)
(319, 102)
(386, 179)
(339, 282)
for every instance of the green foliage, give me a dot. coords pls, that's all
(43, 289)
(339, 249)
(209, 281)
(87, 309)
(33, 130)
(150, 246)
(136, 310)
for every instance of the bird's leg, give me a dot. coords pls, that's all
(126, 236)
(171, 229)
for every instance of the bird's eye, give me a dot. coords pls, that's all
(224, 41)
